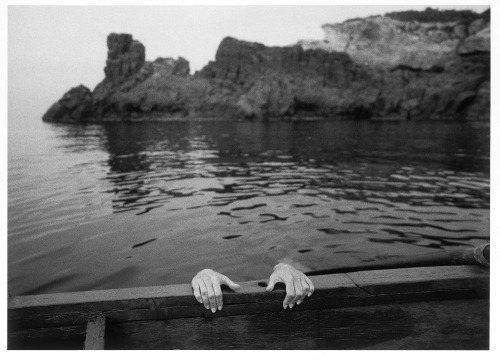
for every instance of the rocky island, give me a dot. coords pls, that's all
(404, 65)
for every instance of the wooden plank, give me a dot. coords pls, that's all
(313, 303)
(178, 295)
(478, 255)
(451, 325)
(190, 333)
(260, 331)
(68, 337)
(332, 291)
(422, 279)
(175, 293)
(32, 313)
(94, 339)
(169, 295)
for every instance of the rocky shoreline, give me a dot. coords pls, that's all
(397, 66)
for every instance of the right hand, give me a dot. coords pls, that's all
(206, 287)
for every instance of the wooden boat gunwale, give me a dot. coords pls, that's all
(79, 311)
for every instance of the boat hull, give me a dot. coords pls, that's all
(413, 308)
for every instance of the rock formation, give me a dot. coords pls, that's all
(386, 41)
(380, 67)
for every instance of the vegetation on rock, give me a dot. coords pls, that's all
(436, 15)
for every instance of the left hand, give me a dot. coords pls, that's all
(298, 286)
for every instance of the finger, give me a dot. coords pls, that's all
(211, 295)
(225, 280)
(298, 291)
(290, 293)
(204, 293)
(196, 291)
(272, 282)
(311, 286)
(305, 290)
(218, 292)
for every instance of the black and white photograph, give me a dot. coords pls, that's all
(248, 177)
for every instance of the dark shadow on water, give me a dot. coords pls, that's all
(152, 163)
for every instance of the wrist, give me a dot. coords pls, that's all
(279, 265)
(206, 270)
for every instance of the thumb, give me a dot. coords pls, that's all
(272, 282)
(225, 280)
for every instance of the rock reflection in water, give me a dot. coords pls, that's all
(238, 196)
(153, 163)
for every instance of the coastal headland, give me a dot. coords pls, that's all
(405, 65)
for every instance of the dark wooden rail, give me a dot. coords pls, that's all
(407, 308)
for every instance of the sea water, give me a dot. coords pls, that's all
(118, 205)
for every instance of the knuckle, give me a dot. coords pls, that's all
(203, 292)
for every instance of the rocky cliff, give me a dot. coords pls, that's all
(380, 67)
(396, 40)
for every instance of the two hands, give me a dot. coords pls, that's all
(206, 286)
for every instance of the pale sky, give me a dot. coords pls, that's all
(54, 48)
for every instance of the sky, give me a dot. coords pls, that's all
(54, 48)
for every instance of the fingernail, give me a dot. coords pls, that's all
(291, 305)
(284, 306)
(298, 302)
(309, 294)
(220, 307)
(207, 307)
(213, 310)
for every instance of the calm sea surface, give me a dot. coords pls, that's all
(126, 205)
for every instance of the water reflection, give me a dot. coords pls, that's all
(155, 202)
(424, 163)
(387, 167)
(384, 169)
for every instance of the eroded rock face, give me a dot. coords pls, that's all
(179, 67)
(283, 81)
(479, 42)
(377, 67)
(241, 61)
(126, 56)
(384, 42)
(74, 106)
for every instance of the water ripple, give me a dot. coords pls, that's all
(240, 196)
